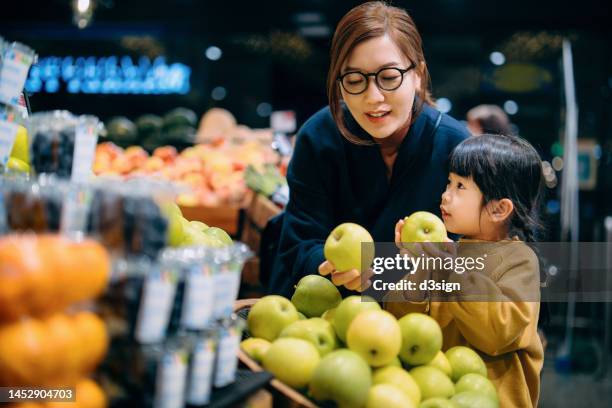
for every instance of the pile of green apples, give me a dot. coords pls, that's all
(355, 354)
(182, 232)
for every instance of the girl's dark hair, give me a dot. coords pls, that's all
(504, 167)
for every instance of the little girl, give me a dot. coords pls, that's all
(492, 198)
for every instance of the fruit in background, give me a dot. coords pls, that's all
(438, 403)
(63, 337)
(329, 315)
(464, 360)
(25, 354)
(17, 165)
(176, 225)
(401, 379)
(314, 295)
(255, 348)
(343, 247)
(166, 153)
(89, 395)
(476, 383)
(343, 377)
(302, 316)
(121, 131)
(220, 235)
(179, 117)
(20, 149)
(388, 396)
(270, 315)
(193, 236)
(348, 309)
(471, 399)
(421, 338)
(292, 361)
(441, 362)
(317, 331)
(423, 226)
(375, 336)
(199, 225)
(432, 382)
(92, 333)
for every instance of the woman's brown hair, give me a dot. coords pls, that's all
(366, 21)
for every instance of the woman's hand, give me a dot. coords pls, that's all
(350, 279)
(398, 233)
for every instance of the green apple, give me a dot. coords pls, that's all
(438, 403)
(343, 247)
(176, 223)
(348, 309)
(476, 383)
(423, 226)
(292, 361)
(315, 294)
(219, 235)
(270, 315)
(316, 330)
(441, 362)
(464, 360)
(302, 316)
(199, 225)
(255, 348)
(17, 165)
(421, 338)
(472, 399)
(343, 377)
(193, 236)
(401, 379)
(432, 382)
(375, 336)
(329, 315)
(388, 396)
(20, 147)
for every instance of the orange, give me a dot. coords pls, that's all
(63, 338)
(93, 335)
(25, 358)
(90, 395)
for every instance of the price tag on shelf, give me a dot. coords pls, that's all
(13, 73)
(155, 307)
(199, 297)
(85, 142)
(8, 132)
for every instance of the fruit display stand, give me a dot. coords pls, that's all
(283, 395)
(226, 217)
(257, 215)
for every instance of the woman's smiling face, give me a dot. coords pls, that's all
(380, 113)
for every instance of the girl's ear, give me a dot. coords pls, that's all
(501, 210)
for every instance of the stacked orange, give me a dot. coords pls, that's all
(40, 344)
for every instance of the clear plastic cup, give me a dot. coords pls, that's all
(171, 375)
(226, 361)
(201, 369)
(227, 264)
(16, 61)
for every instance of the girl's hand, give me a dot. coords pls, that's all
(350, 279)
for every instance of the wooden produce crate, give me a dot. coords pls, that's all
(257, 215)
(283, 395)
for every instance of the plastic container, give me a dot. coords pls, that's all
(201, 368)
(226, 361)
(16, 61)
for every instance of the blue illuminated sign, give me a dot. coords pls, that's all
(108, 75)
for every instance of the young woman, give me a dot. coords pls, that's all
(378, 152)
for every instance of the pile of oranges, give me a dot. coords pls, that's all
(41, 343)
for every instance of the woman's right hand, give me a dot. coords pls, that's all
(350, 279)
(398, 233)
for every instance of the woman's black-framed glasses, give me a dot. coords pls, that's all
(387, 79)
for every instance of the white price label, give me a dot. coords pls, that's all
(200, 378)
(227, 357)
(86, 139)
(155, 308)
(13, 74)
(198, 302)
(171, 380)
(8, 132)
(283, 121)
